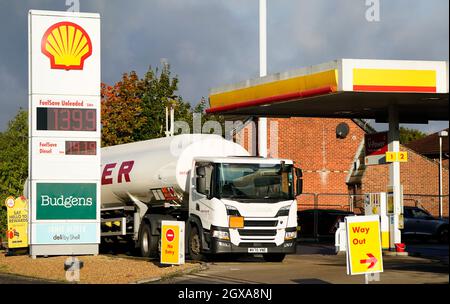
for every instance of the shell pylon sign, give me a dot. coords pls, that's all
(63, 186)
(67, 45)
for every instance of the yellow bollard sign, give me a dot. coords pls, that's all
(364, 253)
(172, 242)
(17, 214)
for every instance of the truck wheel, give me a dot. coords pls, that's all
(147, 242)
(274, 257)
(195, 244)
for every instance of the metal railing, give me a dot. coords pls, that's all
(355, 203)
(428, 202)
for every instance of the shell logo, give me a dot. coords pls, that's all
(67, 45)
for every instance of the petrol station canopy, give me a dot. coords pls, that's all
(345, 88)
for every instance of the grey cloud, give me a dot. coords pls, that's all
(210, 43)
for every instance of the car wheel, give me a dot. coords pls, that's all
(443, 235)
(274, 257)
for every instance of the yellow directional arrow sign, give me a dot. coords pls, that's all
(364, 253)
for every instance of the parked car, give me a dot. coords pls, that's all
(419, 223)
(327, 222)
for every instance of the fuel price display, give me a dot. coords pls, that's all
(66, 119)
(81, 148)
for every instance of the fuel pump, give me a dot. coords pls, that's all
(376, 204)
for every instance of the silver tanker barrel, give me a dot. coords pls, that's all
(133, 171)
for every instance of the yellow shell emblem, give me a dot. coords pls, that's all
(67, 45)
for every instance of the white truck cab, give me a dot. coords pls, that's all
(242, 205)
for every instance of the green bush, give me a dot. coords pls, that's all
(13, 162)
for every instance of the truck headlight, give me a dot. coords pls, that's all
(284, 211)
(222, 235)
(290, 235)
(231, 210)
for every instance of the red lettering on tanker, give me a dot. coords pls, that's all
(122, 174)
(107, 171)
(125, 170)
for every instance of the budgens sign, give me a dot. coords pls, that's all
(66, 201)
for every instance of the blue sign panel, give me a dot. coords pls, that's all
(65, 233)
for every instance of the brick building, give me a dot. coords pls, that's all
(419, 177)
(333, 176)
(429, 147)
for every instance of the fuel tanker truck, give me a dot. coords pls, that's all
(230, 202)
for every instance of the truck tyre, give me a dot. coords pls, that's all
(274, 257)
(195, 244)
(147, 242)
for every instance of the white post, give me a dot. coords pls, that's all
(262, 121)
(441, 134)
(167, 121)
(262, 38)
(172, 120)
(394, 170)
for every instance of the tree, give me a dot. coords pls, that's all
(159, 91)
(121, 110)
(13, 162)
(408, 135)
(134, 109)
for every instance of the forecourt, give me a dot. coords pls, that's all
(392, 91)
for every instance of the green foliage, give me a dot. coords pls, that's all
(408, 135)
(158, 92)
(13, 161)
(121, 110)
(134, 109)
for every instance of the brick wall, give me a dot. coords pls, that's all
(312, 143)
(419, 177)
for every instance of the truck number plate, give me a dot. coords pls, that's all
(257, 250)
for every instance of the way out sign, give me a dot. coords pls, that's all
(364, 253)
(172, 242)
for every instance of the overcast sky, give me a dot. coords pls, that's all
(211, 43)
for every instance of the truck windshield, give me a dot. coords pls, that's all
(255, 181)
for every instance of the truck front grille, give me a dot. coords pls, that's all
(265, 223)
(246, 245)
(257, 232)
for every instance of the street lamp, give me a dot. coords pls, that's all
(441, 134)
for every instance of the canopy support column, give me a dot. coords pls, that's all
(394, 175)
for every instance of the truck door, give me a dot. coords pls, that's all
(201, 204)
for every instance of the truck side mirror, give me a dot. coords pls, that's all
(299, 185)
(201, 185)
(201, 172)
(201, 179)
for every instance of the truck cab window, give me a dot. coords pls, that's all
(255, 181)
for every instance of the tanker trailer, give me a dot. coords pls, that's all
(231, 202)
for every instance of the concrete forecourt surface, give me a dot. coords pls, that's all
(313, 264)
